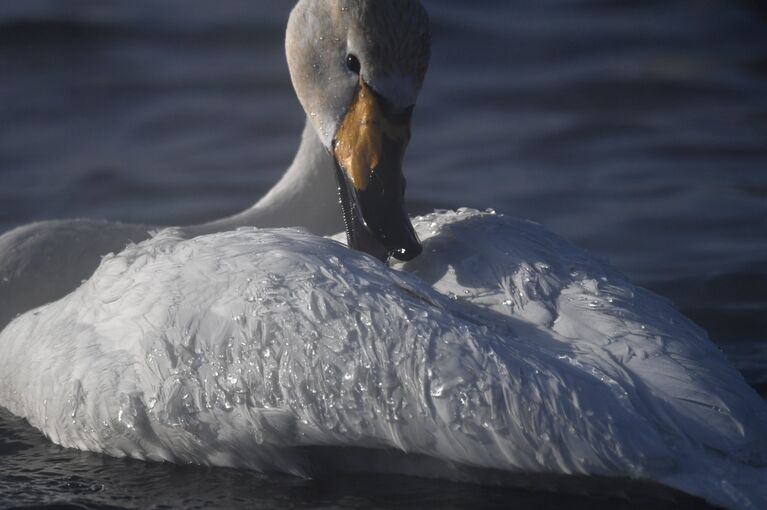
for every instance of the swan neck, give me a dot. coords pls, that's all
(306, 196)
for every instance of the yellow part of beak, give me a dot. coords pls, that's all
(359, 140)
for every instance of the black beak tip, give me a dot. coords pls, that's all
(407, 253)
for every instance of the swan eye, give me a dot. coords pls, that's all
(353, 64)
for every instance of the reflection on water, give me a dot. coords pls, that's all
(35, 472)
(636, 129)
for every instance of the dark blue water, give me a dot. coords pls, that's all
(635, 129)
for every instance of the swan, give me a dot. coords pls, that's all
(490, 343)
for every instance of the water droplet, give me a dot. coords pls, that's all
(438, 391)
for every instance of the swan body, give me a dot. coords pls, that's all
(235, 343)
(502, 347)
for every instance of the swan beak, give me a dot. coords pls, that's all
(369, 148)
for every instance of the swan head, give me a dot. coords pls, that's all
(357, 67)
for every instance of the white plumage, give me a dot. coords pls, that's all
(503, 347)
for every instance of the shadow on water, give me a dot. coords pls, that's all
(37, 474)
